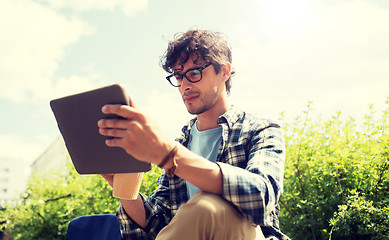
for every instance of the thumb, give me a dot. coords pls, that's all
(131, 102)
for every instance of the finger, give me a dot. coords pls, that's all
(123, 111)
(107, 176)
(132, 103)
(119, 124)
(117, 109)
(112, 132)
(115, 142)
(113, 123)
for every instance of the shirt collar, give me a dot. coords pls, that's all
(230, 117)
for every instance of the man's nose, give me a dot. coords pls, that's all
(185, 85)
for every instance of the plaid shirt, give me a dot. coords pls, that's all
(251, 158)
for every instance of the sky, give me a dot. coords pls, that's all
(334, 53)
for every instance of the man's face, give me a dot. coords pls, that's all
(204, 95)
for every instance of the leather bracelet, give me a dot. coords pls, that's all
(170, 171)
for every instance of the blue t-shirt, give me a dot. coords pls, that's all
(206, 144)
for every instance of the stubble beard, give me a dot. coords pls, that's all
(207, 101)
(197, 111)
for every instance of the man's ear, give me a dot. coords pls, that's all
(226, 71)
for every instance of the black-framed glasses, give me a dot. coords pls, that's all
(193, 75)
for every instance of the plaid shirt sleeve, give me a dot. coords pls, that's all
(253, 165)
(158, 214)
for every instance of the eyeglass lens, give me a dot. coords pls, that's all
(192, 75)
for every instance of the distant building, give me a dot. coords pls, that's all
(55, 157)
(12, 179)
(14, 172)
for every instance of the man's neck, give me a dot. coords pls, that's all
(208, 119)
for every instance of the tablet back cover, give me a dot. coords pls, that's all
(77, 118)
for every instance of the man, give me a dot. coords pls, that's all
(224, 177)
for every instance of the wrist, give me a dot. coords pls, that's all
(168, 162)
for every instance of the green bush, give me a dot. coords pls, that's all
(52, 200)
(359, 218)
(332, 165)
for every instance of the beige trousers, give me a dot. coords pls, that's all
(208, 216)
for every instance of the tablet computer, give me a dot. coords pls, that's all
(77, 116)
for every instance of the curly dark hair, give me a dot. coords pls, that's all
(211, 47)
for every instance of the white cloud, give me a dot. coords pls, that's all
(129, 7)
(65, 86)
(23, 147)
(335, 55)
(355, 99)
(33, 41)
